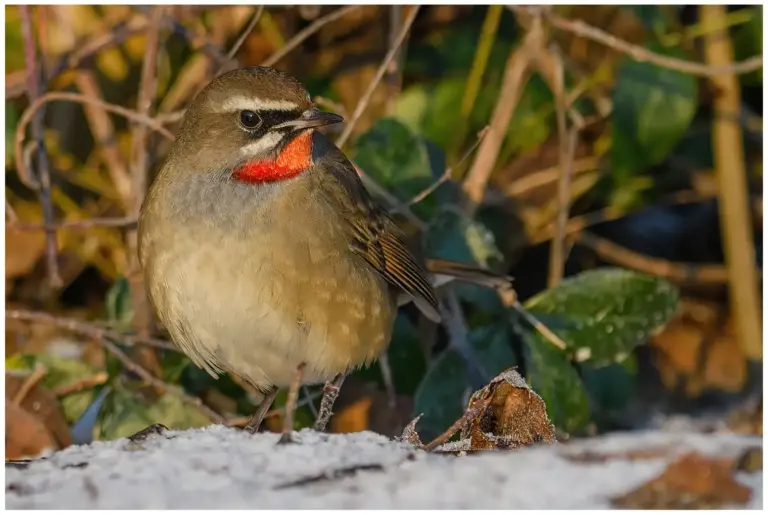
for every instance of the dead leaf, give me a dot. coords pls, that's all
(352, 418)
(698, 351)
(25, 434)
(516, 416)
(691, 482)
(43, 406)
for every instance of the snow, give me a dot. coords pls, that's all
(219, 467)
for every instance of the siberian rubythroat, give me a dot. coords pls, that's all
(262, 252)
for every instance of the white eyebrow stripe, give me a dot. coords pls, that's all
(261, 146)
(241, 103)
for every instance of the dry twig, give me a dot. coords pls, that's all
(246, 33)
(105, 338)
(641, 54)
(447, 174)
(29, 113)
(458, 425)
(82, 384)
(309, 31)
(516, 75)
(142, 317)
(366, 98)
(31, 380)
(41, 183)
(735, 222)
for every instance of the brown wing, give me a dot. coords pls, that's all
(374, 236)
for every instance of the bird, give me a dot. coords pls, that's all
(263, 253)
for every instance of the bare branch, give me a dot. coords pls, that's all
(639, 53)
(447, 174)
(246, 33)
(105, 338)
(516, 75)
(306, 33)
(42, 183)
(366, 98)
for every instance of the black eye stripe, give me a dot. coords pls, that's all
(274, 117)
(270, 118)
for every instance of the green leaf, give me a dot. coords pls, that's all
(455, 236)
(119, 304)
(411, 106)
(444, 391)
(395, 157)
(61, 372)
(125, 412)
(652, 109)
(552, 376)
(611, 387)
(608, 312)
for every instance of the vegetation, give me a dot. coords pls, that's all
(527, 140)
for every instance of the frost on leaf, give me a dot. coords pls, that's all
(514, 415)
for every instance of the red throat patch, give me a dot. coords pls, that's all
(294, 159)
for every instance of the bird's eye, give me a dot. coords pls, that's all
(249, 119)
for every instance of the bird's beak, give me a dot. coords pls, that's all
(310, 119)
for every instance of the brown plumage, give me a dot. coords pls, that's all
(261, 249)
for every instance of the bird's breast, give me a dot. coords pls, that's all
(272, 286)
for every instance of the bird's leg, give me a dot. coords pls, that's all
(290, 405)
(330, 393)
(258, 417)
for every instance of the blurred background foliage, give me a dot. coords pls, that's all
(643, 182)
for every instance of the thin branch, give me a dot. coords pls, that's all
(31, 380)
(465, 418)
(394, 77)
(366, 98)
(88, 329)
(567, 149)
(306, 33)
(104, 133)
(641, 54)
(735, 222)
(683, 273)
(246, 33)
(76, 225)
(447, 174)
(22, 170)
(142, 313)
(43, 181)
(80, 385)
(105, 338)
(516, 75)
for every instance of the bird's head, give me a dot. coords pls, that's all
(255, 123)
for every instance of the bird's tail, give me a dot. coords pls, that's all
(446, 271)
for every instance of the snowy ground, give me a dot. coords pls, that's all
(218, 467)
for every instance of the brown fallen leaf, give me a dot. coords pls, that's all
(691, 482)
(43, 406)
(516, 416)
(505, 414)
(25, 434)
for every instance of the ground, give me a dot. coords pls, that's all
(219, 467)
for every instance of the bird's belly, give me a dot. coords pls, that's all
(260, 313)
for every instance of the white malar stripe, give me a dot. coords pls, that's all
(261, 146)
(241, 103)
